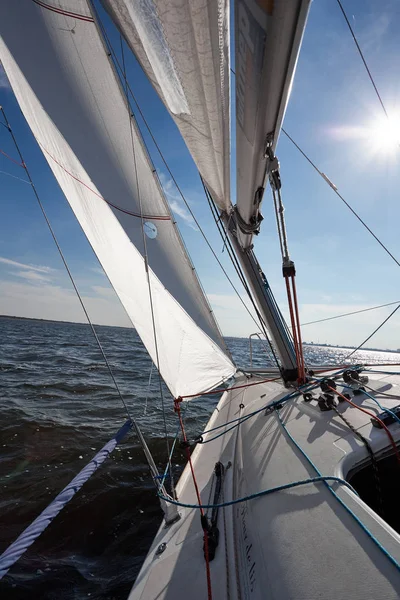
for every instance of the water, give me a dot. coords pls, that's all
(58, 406)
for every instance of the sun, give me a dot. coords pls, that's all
(384, 134)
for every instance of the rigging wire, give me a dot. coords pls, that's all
(238, 268)
(146, 266)
(322, 174)
(363, 58)
(99, 344)
(19, 164)
(363, 223)
(146, 451)
(366, 227)
(355, 312)
(229, 389)
(148, 389)
(289, 273)
(373, 333)
(15, 177)
(347, 204)
(319, 477)
(123, 75)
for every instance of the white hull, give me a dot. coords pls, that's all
(294, 544)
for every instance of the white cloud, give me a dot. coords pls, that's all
(107, 292)
(14, 263)
(98, 270)
(32, 275)
(39, 296)
(175, 200)
(182, 212)
(235, 321)
(47, 301)
(373, 34)
(353, 329)
(231, 315)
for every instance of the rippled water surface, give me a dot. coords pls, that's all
(58, 406)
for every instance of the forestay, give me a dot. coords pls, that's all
(184, 49)
(69, 93)
(268, 36)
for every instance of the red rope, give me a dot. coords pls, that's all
(321, 369)
(294, 328)
(66, 13)
(381, 423)
(219, 390)
(298, 348)
(20, 164)
(123, 210)
(196, 487)
(296, 308)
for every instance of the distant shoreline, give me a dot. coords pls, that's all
(63, 322)
(227, 336)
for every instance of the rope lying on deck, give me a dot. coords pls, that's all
(319, 478)
(279, 488)
(344, 505)
(36, 528)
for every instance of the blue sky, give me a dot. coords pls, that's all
(333, 115)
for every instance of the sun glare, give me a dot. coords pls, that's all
(384, 135)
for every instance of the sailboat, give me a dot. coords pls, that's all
(290, 491)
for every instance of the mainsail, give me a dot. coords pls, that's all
(183, 48)
(69, 93)
(268, 36)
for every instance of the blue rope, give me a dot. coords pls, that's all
(279, 488)
(240, 420)
(360, 523)
(272, 405)
(36, 528)
(383, 408)
(290, 396)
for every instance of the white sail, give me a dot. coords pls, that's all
(268, 36)
(68, 91)
(183, 48)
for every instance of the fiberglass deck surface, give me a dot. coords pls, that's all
(300, 543)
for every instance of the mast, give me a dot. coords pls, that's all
(267, 45)
(265, 299)
(196, 56)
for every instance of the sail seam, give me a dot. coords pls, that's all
(124, 210)
(66, 13)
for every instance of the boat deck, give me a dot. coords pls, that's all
(300, 543)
